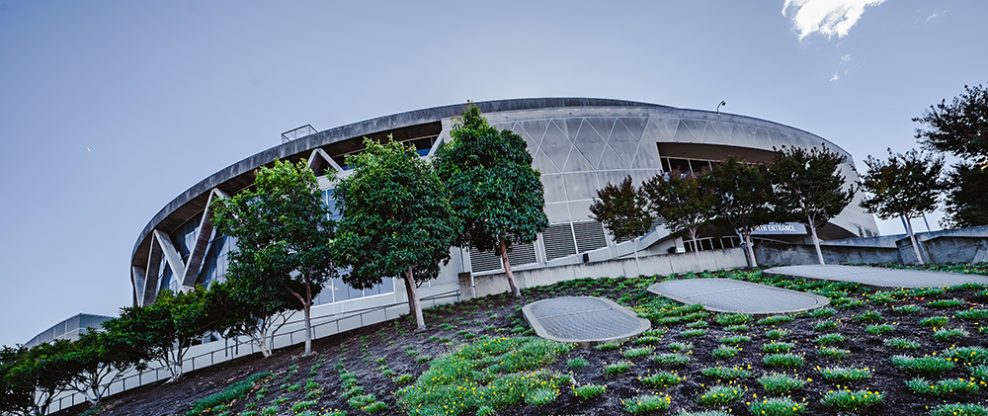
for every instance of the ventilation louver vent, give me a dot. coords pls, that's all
(589, 235)
(485, 261)
(559, 242)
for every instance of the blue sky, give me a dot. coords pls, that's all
(109, 109)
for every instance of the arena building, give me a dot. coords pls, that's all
(577, 144)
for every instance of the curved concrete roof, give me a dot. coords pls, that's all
(197, 193)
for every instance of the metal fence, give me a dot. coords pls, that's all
(323, 326)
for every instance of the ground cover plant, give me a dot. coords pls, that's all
(485, 343)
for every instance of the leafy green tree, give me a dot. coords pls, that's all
(397, 220)
(166, 329)
(903, 185)
(283, 233)
(251, 308)
(45, 370)
(493, 188)
(99, 359)
(959, 127)
(684, 200)
(809, 187)
(743, 197)
(967, 200)
(623, 210)
(16, 391)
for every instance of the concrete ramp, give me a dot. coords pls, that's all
(878, 276)
(729, 295)
(583, 319)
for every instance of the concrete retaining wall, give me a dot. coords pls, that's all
(650, 265)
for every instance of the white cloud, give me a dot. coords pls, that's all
(934, 16)
(843, 67)
(826, 17)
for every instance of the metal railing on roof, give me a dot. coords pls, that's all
(297, 133)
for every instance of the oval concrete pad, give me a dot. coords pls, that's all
(583, 319)
(878, 276)
(729, 295)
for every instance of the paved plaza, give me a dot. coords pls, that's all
(729, 295)
(583, 319)
(878, 276)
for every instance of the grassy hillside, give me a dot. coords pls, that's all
(877, 352)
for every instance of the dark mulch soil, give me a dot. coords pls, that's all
(396, 342)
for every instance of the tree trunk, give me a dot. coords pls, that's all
(507, 270)
(693, 233)
(751, 249)
(912, 239)
(413, 299)
(816, 242)
(307, 309)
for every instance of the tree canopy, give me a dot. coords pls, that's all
(283, 233)
(967, 196)
(684, 200)
(623, 210)
(743, 197)
(960, 126)
(493, 188)
(396, 219)
(809, 187)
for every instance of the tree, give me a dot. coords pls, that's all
(45, 370)
(810, 187)
(903, 185)
(283, 233)
(967, 202)
(16, 392)
(251, 308)
(493, 188)
(396, 220)
(99, 359)
(684, 200)
(165, 329)
(960, 127)
(623, 210)
(743, 196)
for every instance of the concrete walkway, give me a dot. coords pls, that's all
(877, 276)
(583, 319)
(729, 295)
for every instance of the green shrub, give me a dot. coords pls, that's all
(724, 351)
(927, 365)
(726, 373)
(671, 360)
(879, 329)
(577, 363)
(607, 346)
(944, 388)
(541, 396)
(680, 346)
(871, 316)
(735, 340)
(637, 352)
(776, 407)
(697, 324)
(830, 339)
(589, 391)
(844, 374)
(851, 401)
(718, 396)
(833, 353)
(776, 334)
(661, 379)
(302, 406)
(944, 335)
(977, 315)
(692, 333)
(777, 347)
(647, 403)
(374, 407)
(823, 313)
(736, 328)
(934, 321)
(726, 319)
(776, 320)
(945, 303)
(980, 372)
(780, 384)
(902, 344)
(231, 393)
(968, 355)
(648, 340)
(619, 367)
(847, 302)
(783, 360)
(825, 325)
(959, 409)
(906, 309)
(359, 401)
